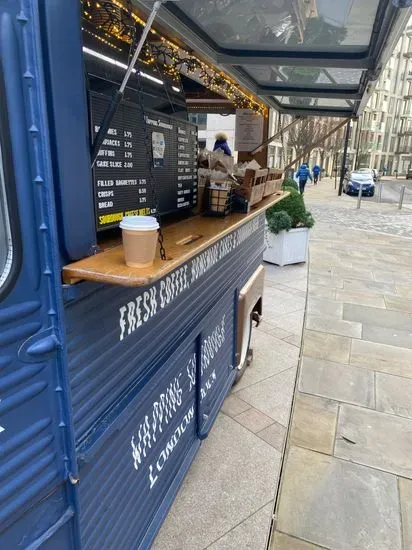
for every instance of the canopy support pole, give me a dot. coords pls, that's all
(344, 159)
(317, 143)
(355, 165)
(278, 134)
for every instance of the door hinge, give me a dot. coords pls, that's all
(39, 347)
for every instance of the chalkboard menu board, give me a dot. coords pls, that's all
(121, 172)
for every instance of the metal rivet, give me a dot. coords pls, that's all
(74, 480)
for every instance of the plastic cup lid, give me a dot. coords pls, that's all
(139, 223)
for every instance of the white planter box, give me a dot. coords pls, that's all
(287, 247)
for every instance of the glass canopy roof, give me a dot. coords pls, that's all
(311, 76)
(309, 101)
(288, 24)
(300, 56)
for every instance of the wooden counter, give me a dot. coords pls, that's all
(199, 232)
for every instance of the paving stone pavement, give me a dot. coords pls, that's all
(346, 480)
(226, 501)
(391, 222)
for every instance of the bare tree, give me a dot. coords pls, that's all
(334, 145)
(309, 131)
(363, 148)
(336, 141)
(304, 134)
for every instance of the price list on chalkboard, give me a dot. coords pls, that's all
(186, 166)
(122, 182)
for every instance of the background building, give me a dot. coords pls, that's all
(382, 138)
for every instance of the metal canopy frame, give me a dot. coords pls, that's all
(318, 142)
(389, 23)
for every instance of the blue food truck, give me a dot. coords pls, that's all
(110, 376)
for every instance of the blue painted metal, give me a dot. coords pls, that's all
(217, 370)
(134, 470)
(116, 387)
(111, 385)
(99, 323)
(69, 127)
(131, 362)
(36, 446)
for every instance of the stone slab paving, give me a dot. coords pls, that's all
(284, 542)
(334, 326)
(392, 336)
(405, 495)
(372, 438)
(368, 316)
(251, 534)
(272, 396)
(346, 480)
(227, 499)
(352, 508)
(214, 498)
(381, 358)
(391, 223)
(340, 382)
(394, 394)
(314, 423)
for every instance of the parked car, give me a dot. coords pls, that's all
(409, 174)
(353, 181)
(373, 171)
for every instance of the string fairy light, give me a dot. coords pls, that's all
(114, 19)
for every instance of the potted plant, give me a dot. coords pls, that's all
(290, 182)
(287, 230)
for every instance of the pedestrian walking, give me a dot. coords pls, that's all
(316, 173)
(303, 174)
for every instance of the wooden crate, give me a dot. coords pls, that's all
(274, 182)
(253, 185)
(275, 174)
(257, 194)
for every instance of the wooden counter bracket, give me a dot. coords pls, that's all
(183, 241)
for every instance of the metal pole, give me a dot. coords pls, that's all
(118, 95)
(146, 30)
(345, 154)
(269, 140)
(380, 190)
(356, 160)
(316, 144)
(335, 164)
(359, 196)
(401, 197)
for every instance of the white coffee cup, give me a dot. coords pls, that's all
(140, 235)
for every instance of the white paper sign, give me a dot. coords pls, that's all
(158, 144)
(249, 130)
